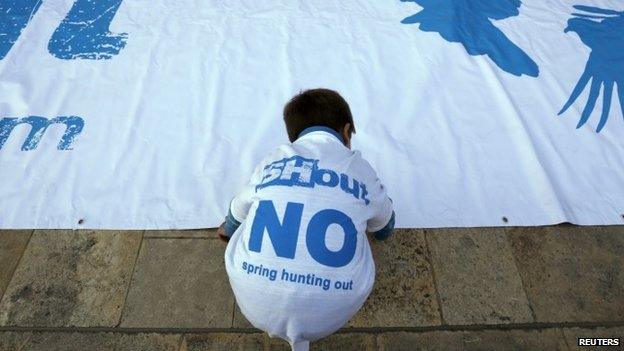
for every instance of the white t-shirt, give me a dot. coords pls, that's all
(300, 264)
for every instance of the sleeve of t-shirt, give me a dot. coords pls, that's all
(382, 210)
(239, 207)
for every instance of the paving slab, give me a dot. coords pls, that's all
(191, 233)
(485, 340)
(180, 283)
(239, 319)
(573, 334)
(260, 341)
(224, 342)
(277, 344)
(67, 341)
(338, 341)
(12, 245)
(476, 276)
(572, 273)
(71, 278)
(404, 293)
(346, 342)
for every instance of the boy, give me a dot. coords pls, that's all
(298, 258)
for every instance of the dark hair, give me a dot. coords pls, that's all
(316, 107)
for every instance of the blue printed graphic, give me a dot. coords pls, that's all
(293, 171)
(38, 126)
(602, 30)
(85, 33)
(284, 234)
(315, 238)
(304, 172)
(310, 279)
(14, 16)
(469, 22)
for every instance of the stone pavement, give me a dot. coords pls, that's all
(536, 288)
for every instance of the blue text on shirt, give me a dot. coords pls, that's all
(304, 172)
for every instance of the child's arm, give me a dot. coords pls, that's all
(381, 225)
(385, 232)
(228, 227)
(239, 206)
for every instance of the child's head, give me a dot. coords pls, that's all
(318, 107)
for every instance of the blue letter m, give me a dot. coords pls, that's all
(283, 235)
(38, 126)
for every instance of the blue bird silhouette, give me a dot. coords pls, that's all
(602, 31)
(469, 22)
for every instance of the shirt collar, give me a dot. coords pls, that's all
(321, 129)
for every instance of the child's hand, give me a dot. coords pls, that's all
(221, 233)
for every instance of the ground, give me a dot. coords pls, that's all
(534, 288)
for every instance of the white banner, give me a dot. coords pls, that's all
(152, 113)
